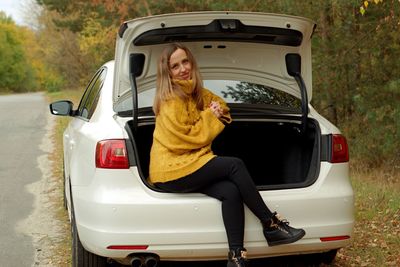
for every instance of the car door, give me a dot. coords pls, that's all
(77, 138)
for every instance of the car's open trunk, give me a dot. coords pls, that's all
(277, 153)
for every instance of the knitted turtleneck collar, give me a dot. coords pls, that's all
(186, 85)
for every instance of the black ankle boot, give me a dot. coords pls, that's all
(237, 258)
(278, 232)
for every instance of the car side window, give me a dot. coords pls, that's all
(90, 98)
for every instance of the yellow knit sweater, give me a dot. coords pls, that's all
(183, 135)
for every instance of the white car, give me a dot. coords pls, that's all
(261, 65)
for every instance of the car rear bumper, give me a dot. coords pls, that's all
(190, 226)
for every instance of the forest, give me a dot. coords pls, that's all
(356, 47)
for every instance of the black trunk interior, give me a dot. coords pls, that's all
(277, 154)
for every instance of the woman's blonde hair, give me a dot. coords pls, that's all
(166, 89)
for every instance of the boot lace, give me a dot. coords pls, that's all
(239, 259)
(278, 223)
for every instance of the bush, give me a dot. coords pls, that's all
(53, 82)
(16, 72)
(374, 129)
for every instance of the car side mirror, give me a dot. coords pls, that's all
(136, 64)
(62, 108)
(293, 64)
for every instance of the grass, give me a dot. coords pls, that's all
(61, 252)
(377, 230)
(376, 239)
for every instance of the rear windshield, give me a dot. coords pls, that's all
(238, 92)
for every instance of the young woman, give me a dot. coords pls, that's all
(188, 118)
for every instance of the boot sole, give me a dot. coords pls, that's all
(288, 240)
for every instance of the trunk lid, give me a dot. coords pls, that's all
(225, 44)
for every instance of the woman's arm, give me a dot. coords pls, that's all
(174, 130)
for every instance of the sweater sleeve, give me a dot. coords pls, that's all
(178, 134)
(208, 97)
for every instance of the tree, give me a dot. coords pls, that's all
(260, 94)
(355, 66)
(5, 19)
(16, 73)
(365, 5)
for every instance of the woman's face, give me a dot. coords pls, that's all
(180, 66)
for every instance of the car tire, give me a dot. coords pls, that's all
(80, 256)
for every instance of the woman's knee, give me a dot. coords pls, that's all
(224, 190)
(237, 161)
(236, 164)
(231, 192)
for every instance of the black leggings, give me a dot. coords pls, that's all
(226, 179)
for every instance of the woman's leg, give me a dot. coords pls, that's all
(219, 169)
(232, 210)
(232, 169)
(237, 172)
(231, 203)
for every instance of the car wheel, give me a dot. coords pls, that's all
(80, 256)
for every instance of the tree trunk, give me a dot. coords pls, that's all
(325, 24)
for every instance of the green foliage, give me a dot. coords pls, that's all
(94, 38)
(366, 4)
(4, 19)
(53, 82)
(355, 66)
(16, 73)
(260, 94)
(374, 130)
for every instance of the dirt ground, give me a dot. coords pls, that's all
(44, 224)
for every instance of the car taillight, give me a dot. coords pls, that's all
(340, 150)
(112, 154)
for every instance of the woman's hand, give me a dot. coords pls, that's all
(216, 109)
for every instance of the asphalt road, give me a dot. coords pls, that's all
(23, 120)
